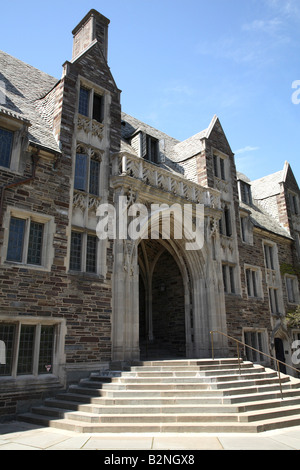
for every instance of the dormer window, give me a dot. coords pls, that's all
(91, 104)
(151, 149)
(245, 192)
(6, 143)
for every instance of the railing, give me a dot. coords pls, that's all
(125, 164)
(238, 343)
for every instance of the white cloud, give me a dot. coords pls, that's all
(246, 149)
(265, 26)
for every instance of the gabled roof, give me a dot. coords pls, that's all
(25, 87)
(267, 186)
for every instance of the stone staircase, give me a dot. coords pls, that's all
(175, 396)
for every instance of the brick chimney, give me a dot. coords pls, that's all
(92, 26)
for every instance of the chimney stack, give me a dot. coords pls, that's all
(92, 26)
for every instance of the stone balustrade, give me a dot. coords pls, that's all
(125, 164)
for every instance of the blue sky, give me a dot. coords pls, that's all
(180, 62)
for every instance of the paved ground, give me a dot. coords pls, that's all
(22, 436)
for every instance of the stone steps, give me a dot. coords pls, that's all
(175, 396)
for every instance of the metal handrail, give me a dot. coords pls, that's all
(254, 349)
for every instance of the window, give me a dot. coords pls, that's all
(91, 104)
(219, 167)
(7, 337)
(6, 144)
(151, 149)
(225, 223)
(228, 278)
(292, 289)
(46, 349)
(269, 256)
(245, 192)
(294, 203)
(253, 282)
(83, 255)
(246, 229)
(87, 171)
(255, 339)
(84, 98)
(273, 297)
(28, 348)
(25, 242)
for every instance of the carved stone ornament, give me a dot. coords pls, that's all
(79, 201)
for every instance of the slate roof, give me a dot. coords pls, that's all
(28, 98)
(267, 186)
(24, 88)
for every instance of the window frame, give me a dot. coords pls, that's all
(91, 156)
(219, 166)
(35, 366)
(260, 341)
(90, 111)
(84, 247)
(225, 222)
(229, 278)
(294, 203)
(245, 193)
(273, 294)
(254, 288)
(295, 289)
(10, 147)
(19, 129)
(47, 248)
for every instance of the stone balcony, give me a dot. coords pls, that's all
(125, 165)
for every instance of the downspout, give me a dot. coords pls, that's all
(35, 158)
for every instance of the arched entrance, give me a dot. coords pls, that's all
(162, 313)
(165, 292)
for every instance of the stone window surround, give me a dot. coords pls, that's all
(220, 155)
(20, 134)
(231, 282)
(294, 202)
(94, 89)
(58, 347)
(259, 287)
(85, 232)
(264, 338)
(47, 246)
(295, 288)
(247, 228)
(246, 196)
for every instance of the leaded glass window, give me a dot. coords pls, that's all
(94, 177)
(83, 256)
(19, 231)
(26, 350)
(75, 257)
(84, 96)
(7, 337)
(91, 254)
(35, 243)
(6, 142)
(16, 239)
(81, 172)
(46, 349)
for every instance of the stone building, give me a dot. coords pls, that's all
(71, 300)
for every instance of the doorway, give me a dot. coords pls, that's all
(162, 323)
(279, 350)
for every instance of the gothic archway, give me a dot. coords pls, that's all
(162, 312)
